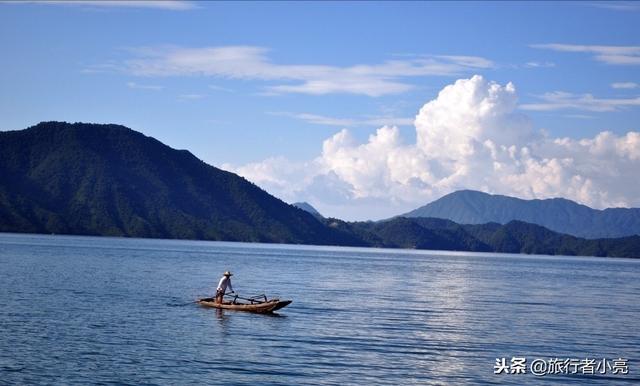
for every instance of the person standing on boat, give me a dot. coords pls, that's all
(225, 282)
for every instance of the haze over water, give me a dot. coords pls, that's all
(85, 310)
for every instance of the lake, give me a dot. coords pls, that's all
(90, 310)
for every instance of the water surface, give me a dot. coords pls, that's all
(85, 310)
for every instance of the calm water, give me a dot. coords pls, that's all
(81, 310)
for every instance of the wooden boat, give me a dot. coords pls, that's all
(252, 304)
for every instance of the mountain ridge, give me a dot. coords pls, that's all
(110, 180)
(557, 214)
(308, 208)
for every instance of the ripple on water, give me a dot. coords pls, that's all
(81, 310)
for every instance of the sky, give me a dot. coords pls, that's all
(365, 110)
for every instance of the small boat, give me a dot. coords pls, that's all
(252, 305)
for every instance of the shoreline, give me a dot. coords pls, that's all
(407, 251)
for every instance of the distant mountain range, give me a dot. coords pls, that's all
(557, 214)
(308, 208)
(90, 179)
(513, 237)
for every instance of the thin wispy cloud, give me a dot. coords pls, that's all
(625, 85)
(619, 55)
(110, 66)
(172, 5)
(253, 63)
(579, 116)
(316, 119)
(346, 122)
(624, 6)
(219, 88)
(388, 121)
(539, 64)
(468, 61)
(560, 100)
(139, 86)
(191, 96)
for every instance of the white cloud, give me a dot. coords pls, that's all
(539, 64)
(469, 61)
(138, 86)
(625, 6)
(249, 62)
(219, 88)
(191, 96)
(385, 121)
(278, 174)
(471, 136)
(364, 86)
(317, 119)
(172, 5)
(560, 100)
(625, 85)
(346, 122)
(579, 116)
(467, 113)
(620, 55)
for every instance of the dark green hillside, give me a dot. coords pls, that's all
(521, 237)
(110, 180)
(403, 232)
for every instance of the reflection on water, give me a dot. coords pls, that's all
(98, 310)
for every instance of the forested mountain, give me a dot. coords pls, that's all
(513, 237)
(92, 179)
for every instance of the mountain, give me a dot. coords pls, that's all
(522, 237)
(308, 208)
(513, 237)
(92, 179)
(557, 214)
(108, 180)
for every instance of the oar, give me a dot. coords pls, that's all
(247, 299)
(251, 299)
(195, 301)
(182, 305)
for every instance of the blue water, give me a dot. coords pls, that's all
(83, 310)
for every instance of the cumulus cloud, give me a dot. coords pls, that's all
(471, 136)
(250, 62)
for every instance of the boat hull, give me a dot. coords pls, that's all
(259, 308)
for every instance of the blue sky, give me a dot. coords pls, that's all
(263, 89)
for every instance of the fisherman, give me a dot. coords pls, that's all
(225, 282)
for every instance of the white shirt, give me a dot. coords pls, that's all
(224, 283)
